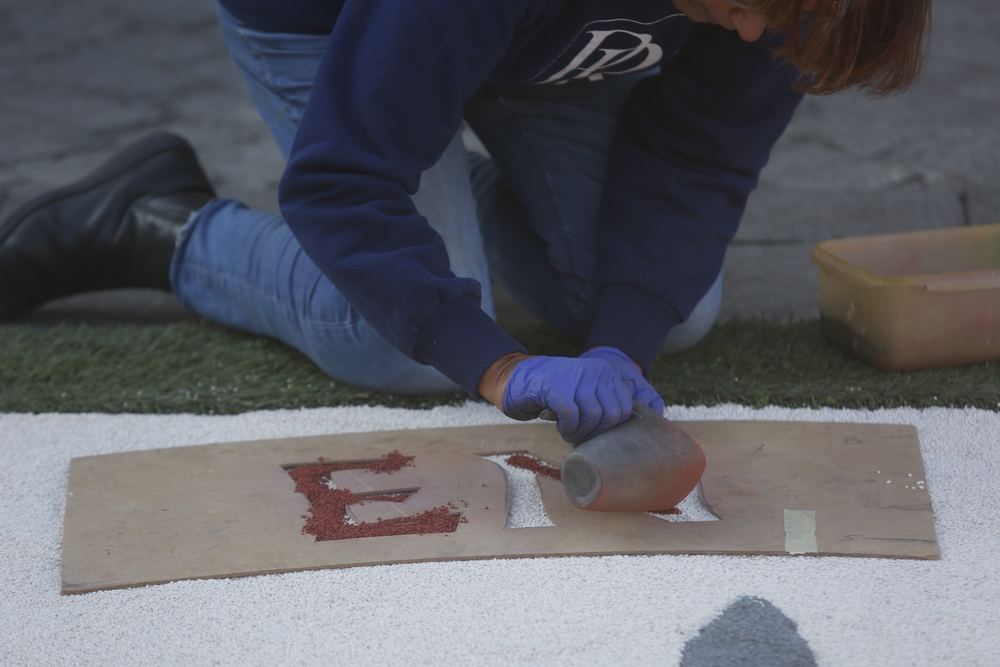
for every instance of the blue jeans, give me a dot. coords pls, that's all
(531, 211)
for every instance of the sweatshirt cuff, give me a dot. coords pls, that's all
(634, 321)
(461, 341)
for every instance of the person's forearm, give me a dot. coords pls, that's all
(494, 380)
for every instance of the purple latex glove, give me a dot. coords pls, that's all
(641, 390)
(588, 396)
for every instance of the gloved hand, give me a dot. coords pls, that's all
(588, 396)
(641, 390)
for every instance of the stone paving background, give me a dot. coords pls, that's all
(80, 79)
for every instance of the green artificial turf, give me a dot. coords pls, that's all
(206, 369)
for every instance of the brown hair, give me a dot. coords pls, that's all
(878, 46)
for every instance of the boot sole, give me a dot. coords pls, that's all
(130, 157)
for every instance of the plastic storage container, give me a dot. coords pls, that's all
(909, 301)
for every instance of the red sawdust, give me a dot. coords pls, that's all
(532, 464)
(390, 463)
(329, 506)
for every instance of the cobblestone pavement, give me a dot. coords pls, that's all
(79, 80)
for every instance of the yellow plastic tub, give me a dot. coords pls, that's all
(916, 300)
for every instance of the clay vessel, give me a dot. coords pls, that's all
(645, 464)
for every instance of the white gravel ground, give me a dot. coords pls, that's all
(567, 611)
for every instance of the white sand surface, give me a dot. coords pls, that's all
(564, 611)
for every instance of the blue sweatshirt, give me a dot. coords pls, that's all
(388, 99)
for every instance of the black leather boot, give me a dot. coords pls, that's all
(116, 227)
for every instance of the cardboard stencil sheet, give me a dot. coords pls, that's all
(231, 509)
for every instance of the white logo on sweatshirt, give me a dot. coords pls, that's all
(613, 51)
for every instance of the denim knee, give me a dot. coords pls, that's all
(690, 332)
(362, 358)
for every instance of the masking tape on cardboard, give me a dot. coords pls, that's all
(800, 531)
